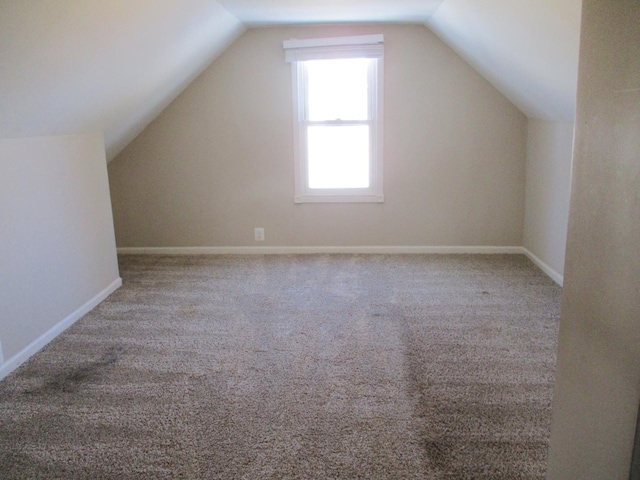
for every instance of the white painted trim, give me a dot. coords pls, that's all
(555, 276)
(364, 46)
(332, 41)
(34, 347)
(319, 249)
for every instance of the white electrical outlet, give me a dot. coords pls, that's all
(259, 234)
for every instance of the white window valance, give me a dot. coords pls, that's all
(363, 46)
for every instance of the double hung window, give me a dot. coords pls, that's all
(338, 118)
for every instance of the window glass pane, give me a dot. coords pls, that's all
(338, 156)
(338, 89)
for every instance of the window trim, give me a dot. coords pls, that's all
(299, 51)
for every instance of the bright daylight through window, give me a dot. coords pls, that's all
(338, 132)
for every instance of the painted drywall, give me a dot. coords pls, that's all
(597, 388)
(528, 50)
(548, 186)
(56, 231)
(219, 160)
(77, 66)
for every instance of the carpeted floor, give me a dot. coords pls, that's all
(310, 367)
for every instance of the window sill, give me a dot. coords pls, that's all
(338, 199)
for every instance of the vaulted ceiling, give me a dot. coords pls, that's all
(76, 66)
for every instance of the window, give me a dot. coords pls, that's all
(337, 99)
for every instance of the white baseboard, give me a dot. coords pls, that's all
(311, 250)
(555, 276)
(14, 362)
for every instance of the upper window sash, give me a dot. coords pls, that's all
(303, 98)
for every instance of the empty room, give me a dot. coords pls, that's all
(320, 239)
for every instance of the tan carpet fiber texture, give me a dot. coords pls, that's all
(306, 367)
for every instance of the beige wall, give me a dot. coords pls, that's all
(219, 160)
(548, 184)
(56, 231)
(598, 375)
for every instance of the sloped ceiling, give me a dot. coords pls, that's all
(77, 66)
(528, 49)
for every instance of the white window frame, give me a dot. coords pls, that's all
(364, 46)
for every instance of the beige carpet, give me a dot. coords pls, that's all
(310, 367)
